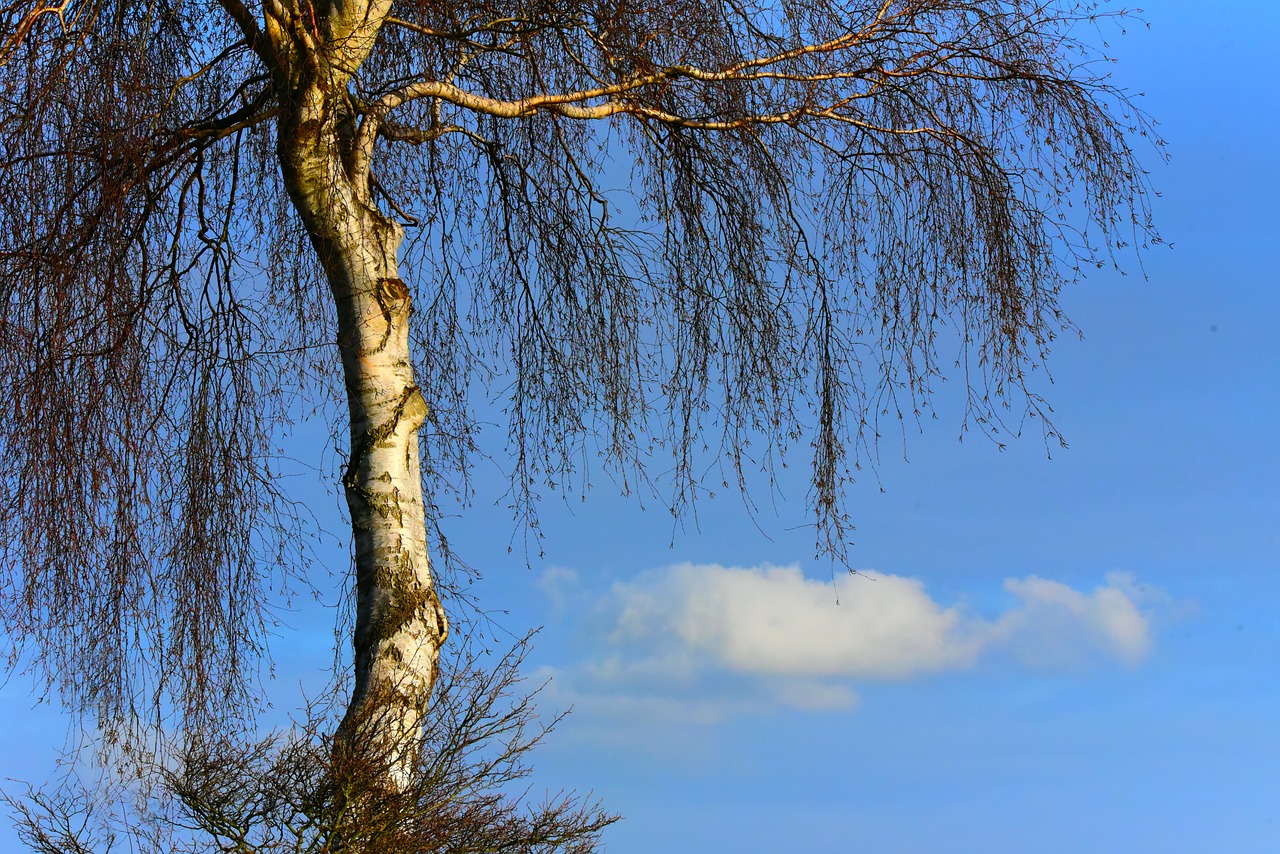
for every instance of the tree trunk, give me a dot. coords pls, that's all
(400, 624)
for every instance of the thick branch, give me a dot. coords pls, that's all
(248, 25)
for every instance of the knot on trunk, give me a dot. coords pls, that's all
(393, 295)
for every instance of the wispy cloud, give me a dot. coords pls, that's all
(1053, 624)
(769, 634)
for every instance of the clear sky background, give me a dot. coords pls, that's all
(1066, 654)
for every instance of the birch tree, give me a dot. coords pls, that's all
(761, 227)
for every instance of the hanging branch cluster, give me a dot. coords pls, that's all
(827, 206)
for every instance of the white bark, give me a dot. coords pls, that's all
(400, 625)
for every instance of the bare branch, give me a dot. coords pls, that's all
(679, 242)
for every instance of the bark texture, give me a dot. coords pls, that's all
(400, 624)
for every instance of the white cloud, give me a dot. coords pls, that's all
(1056, 625)
(693, 629)
(773, 620)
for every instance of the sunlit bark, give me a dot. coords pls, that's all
(400, 625)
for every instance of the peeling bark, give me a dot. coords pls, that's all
(400, 624)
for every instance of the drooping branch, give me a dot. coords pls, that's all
(678, 239)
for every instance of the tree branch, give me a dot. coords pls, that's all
(248, 25)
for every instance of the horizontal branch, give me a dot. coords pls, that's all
(249, 115)
(630, 96)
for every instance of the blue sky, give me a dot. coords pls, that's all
(1066, 654)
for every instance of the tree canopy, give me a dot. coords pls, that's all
(658, 233)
